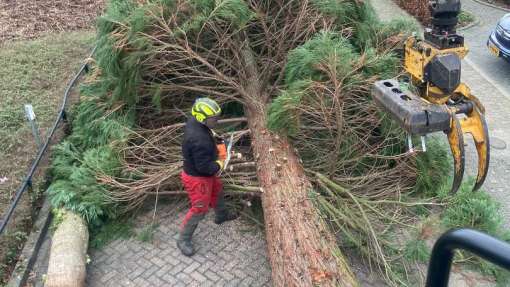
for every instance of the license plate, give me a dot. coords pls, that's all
(494, 50)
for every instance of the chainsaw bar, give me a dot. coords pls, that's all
(229, 150)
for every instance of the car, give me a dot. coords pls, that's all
(499, 40)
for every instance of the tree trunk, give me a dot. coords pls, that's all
(302, 250)
(68, 255)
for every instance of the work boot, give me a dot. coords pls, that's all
(186, 247)
(225, 216)
(221, 212)
(184, 242)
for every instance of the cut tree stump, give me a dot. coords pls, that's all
(68, 255)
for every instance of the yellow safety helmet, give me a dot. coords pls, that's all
(204, 108)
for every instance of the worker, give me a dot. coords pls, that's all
(204, 158)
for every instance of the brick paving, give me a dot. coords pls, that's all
(231, 254)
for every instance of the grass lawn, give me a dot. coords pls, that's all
(465, 19)
(31, 72)
(34, 72)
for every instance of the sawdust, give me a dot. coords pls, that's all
(24, 19)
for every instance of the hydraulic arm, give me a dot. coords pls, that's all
(443, 102)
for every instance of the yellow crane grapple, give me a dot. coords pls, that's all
(443, 102)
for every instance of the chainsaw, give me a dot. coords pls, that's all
(226, 145)
(442, 102)
(230, 142)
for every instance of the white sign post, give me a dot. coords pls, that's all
(29, 113)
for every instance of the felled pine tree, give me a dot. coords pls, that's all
(165, 53)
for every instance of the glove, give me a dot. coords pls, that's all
(222, 151)
(221, 164)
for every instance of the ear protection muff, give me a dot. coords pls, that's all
(200, 117)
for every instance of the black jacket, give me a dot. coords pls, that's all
(199, 150)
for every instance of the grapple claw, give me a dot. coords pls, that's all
(476, 125)
(420, 115)
(456, 140)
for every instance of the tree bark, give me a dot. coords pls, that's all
(68, 255)
(302, 250)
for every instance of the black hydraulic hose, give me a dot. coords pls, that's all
(28, 179)
(481, 244)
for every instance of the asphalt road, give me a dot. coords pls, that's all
(489, 79)
(496, 70)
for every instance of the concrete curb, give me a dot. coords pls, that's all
(492, 5)
(30, 251)
(473, 24)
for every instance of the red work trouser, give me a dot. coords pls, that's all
(202, 193)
